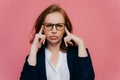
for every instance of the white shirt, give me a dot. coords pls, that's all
(58, 72)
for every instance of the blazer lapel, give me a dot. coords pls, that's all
(41, 63)
(70, 58)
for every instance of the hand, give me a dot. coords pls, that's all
(72, 39)
(37, 43)
(38, 40)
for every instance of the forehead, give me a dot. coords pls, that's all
(54, 17)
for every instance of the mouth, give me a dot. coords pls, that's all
(53, 37)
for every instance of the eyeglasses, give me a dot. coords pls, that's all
(58, 26)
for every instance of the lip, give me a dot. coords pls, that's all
(53, 37)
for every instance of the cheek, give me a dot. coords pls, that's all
(46, 33)
(62, 33)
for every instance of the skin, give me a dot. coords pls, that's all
(54, 39)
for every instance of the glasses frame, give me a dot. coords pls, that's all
(52, 25)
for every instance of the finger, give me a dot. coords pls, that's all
(65, 41)
(68, 40)
(39, 38)
(70, 43)
(40, 43)
(41, 30)
(36, 39)
(43, 39)
(67, 32)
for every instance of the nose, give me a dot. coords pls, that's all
(54, 30)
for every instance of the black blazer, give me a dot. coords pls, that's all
(80, 68)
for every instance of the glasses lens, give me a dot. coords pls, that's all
(48, 26)
(60, 26)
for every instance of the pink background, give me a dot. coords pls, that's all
(97, 22)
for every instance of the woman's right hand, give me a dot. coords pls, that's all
(38, 40)
(37, 43)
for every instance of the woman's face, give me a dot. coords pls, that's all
(55, 21)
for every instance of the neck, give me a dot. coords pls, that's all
(54, 47)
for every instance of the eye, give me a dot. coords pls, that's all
(49, 25)
(59, 25)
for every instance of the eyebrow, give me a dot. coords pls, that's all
(53, 23)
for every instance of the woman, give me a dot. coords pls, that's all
(56, 53)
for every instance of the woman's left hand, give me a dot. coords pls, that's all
(74, 40)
